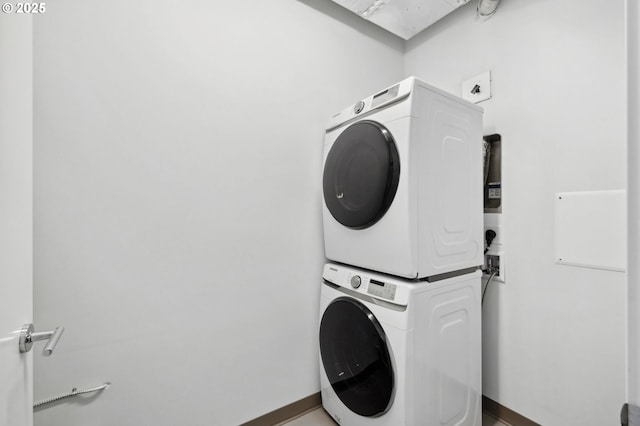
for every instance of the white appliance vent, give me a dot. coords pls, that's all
(404, 18)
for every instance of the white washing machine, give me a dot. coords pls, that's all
(402, 182)
(395, 352)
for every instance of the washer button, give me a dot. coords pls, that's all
(355, 281)
(359, 107)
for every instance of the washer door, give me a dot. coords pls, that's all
(361, 174)
(356, 358)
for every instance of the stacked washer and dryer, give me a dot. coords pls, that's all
(400, 315)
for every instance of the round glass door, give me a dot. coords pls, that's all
(361, 174)
(355, 356)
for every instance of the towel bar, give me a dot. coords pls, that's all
(74, 392)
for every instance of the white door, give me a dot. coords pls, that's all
(16, 193)
(633, 295)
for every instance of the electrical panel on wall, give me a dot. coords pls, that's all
(492, 156)
(404, 18)
(493, 227)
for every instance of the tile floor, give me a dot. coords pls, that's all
(319, 417)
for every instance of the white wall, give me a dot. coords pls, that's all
(16, 206)
(177, 200)
(554, 336)
(633, 294)
(177, 203)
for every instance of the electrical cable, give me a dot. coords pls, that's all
(493, 274)
(486, 155)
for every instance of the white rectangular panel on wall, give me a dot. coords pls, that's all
(591, 229)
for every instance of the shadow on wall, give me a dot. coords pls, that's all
(357, 23)
(491, 339)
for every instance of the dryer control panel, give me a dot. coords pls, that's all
(388, 96)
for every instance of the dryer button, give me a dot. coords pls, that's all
(358, 107)
(355, 281)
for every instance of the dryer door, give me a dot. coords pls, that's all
(356, 358)
(361, 174)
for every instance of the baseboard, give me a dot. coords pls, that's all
(287, 412)
(295, 409)
(505, 414)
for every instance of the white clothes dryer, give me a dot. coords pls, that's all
(397, 352)
(402, 183)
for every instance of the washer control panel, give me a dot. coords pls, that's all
(356, 281)
(377, 286)
(382, 289)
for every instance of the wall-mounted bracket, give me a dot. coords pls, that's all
(27, 337)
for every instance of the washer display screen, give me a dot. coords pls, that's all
(383, 290)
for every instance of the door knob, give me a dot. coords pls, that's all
(27, 337)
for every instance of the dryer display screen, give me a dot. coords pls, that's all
(383, 290)
(385, 96)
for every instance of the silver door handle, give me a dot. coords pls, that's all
(27, 337)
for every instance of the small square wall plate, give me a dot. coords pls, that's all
(478, 88)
